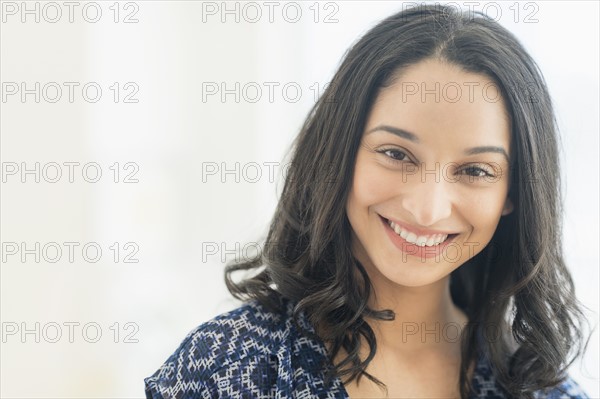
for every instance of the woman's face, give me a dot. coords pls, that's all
(434, 159)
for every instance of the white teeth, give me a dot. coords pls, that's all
(422, 241)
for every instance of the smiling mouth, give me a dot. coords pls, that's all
(431, 240)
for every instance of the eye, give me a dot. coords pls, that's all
(393, 154)
(477, 172)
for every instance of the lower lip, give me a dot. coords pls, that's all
(408, 248)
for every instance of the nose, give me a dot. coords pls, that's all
(428, 201)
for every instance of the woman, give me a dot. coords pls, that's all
(417, 239)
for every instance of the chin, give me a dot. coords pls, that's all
(410, 273)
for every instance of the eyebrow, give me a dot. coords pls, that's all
(412, 137)
(398, 132)
(488, 148)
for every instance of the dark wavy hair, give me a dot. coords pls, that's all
(519, 282)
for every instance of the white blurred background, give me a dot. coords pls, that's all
(170, 196)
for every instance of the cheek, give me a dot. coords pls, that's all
(483, 209)
(371, 184)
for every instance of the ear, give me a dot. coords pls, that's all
(508, 206)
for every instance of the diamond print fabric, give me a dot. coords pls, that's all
(250, 352)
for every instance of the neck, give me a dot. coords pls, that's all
(426, 318)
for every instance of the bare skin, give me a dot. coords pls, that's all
(417, 368)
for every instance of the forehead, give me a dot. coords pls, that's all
(439, 100)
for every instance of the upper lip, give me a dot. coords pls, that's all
(418, 231)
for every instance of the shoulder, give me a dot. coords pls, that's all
(242, 340)
(568, 389)
(487, 386)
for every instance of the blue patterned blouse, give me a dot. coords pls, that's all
(250, 352)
